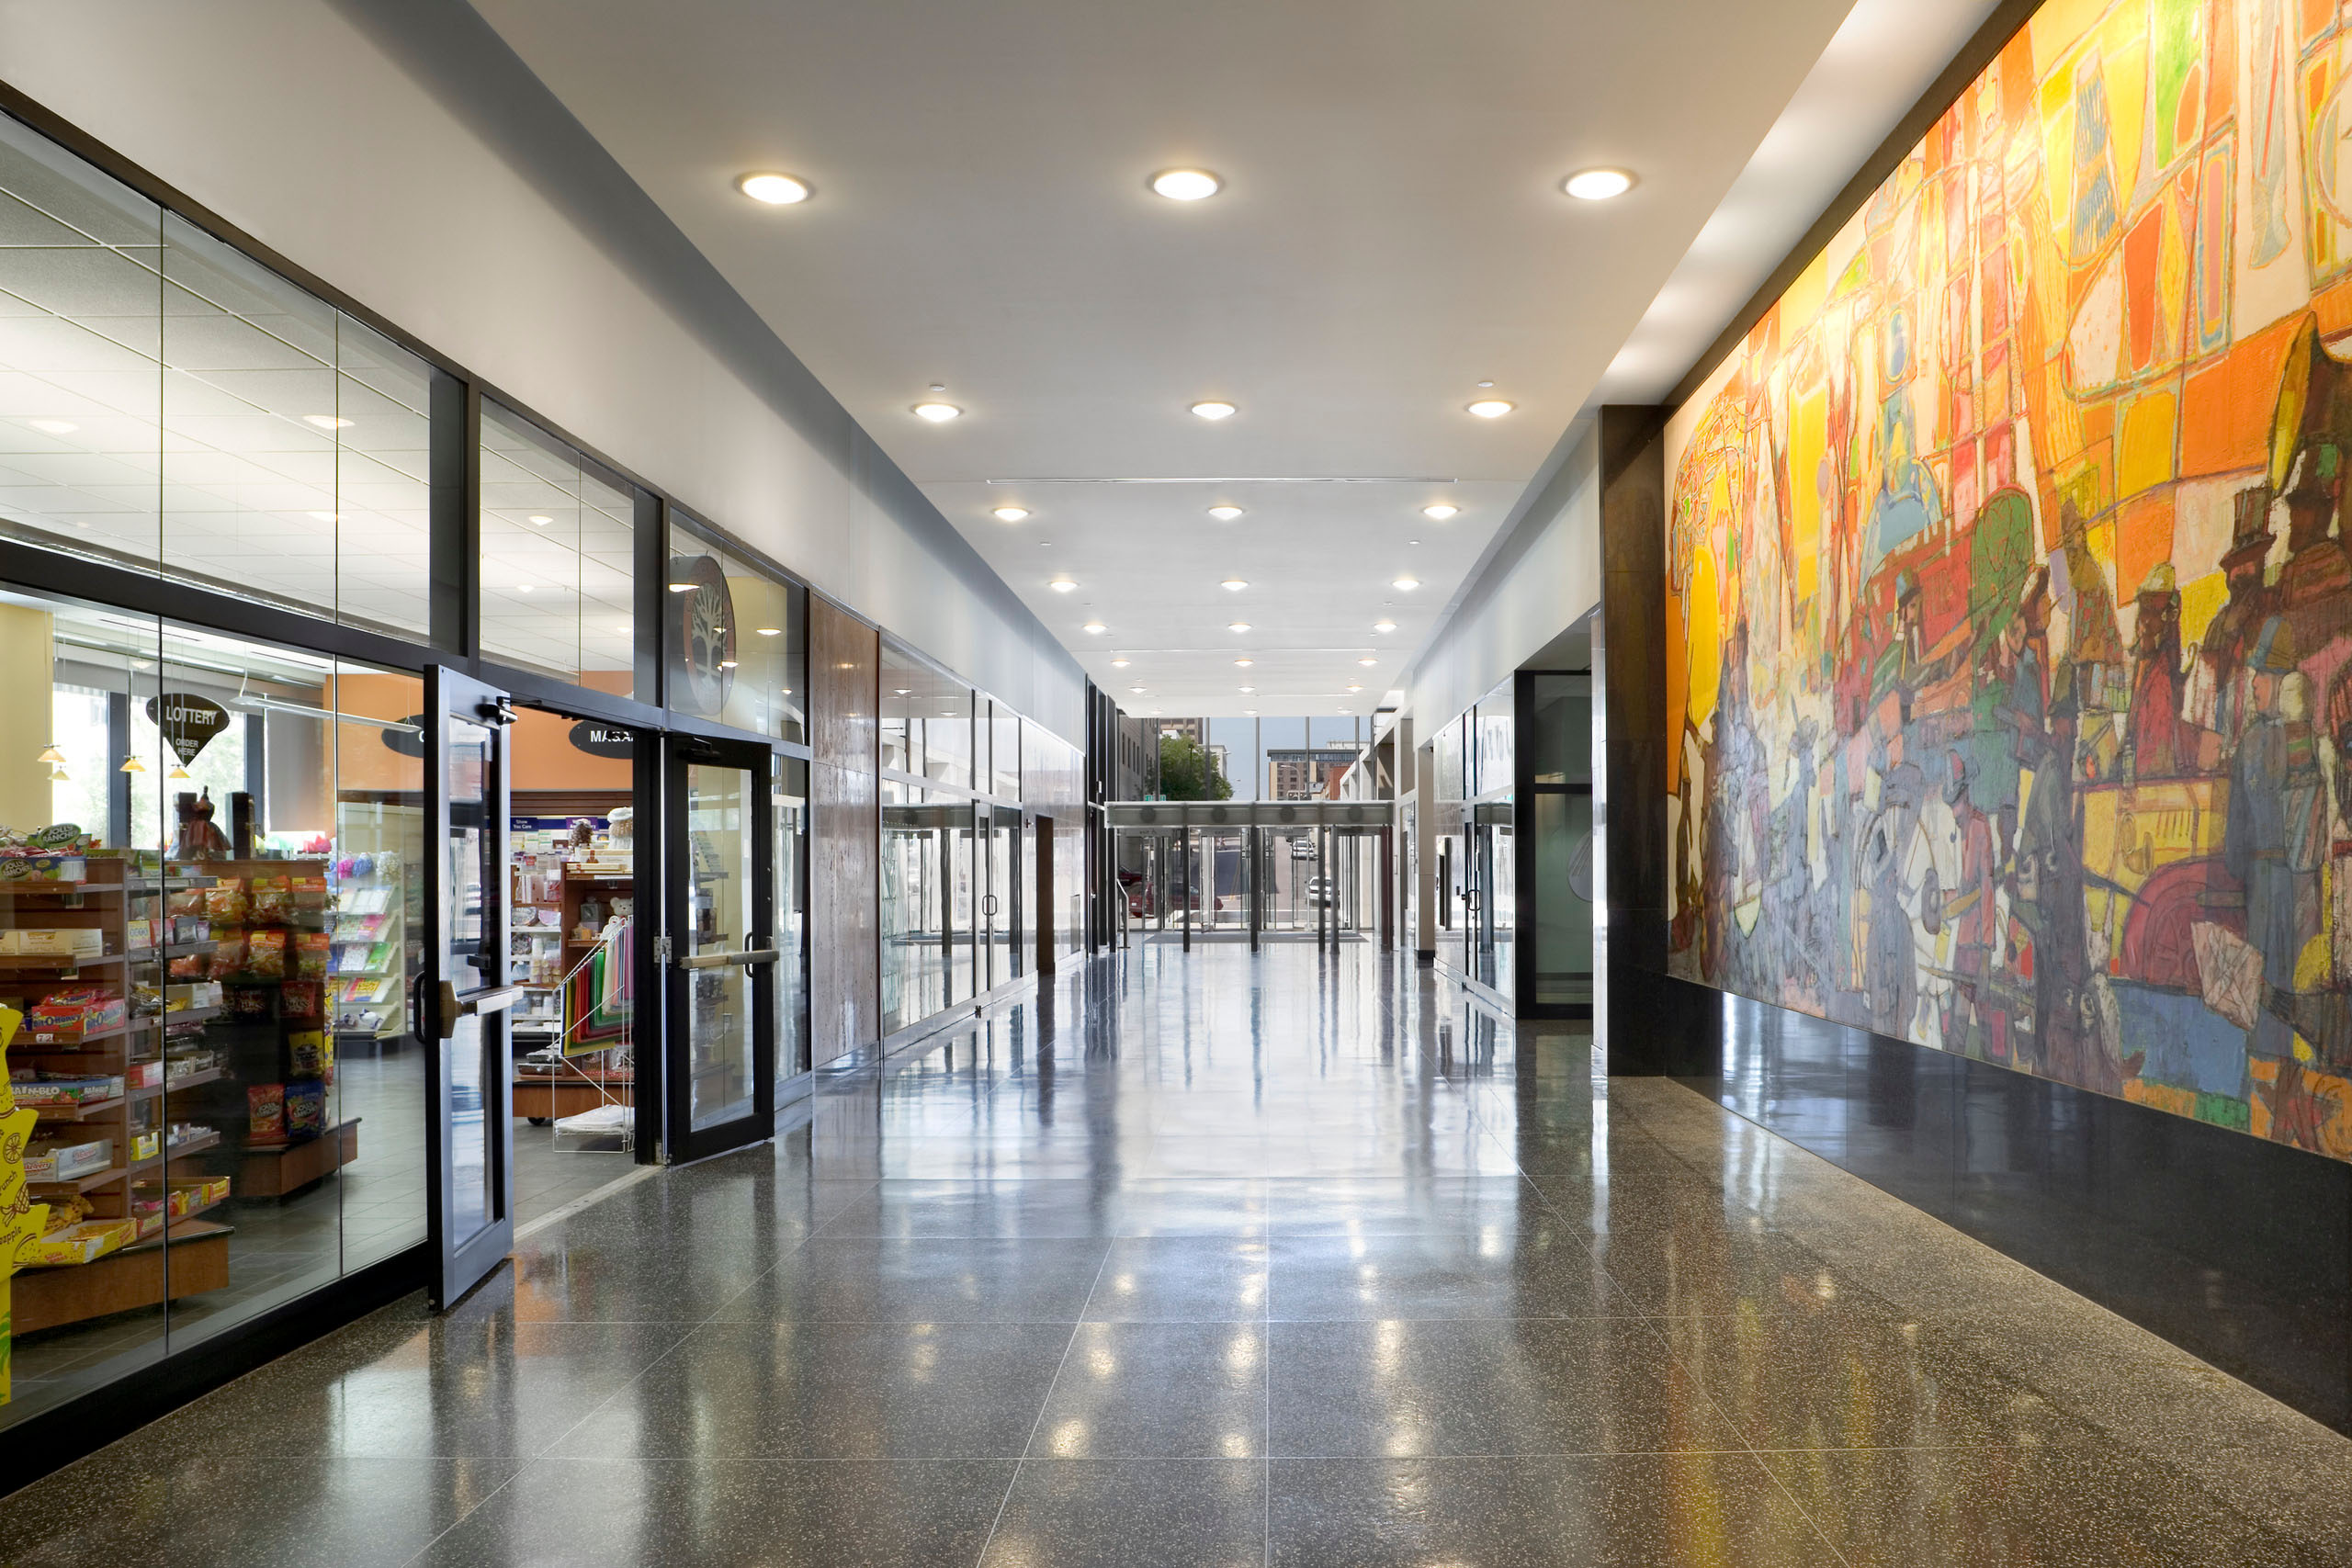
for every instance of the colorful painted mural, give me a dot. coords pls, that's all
(2013, 667)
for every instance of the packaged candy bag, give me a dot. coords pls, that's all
(266, 955)
(273, 901)
(228, 954)
(225, 903)
(310, 952)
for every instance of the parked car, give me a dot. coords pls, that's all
(1302, 849)
(1318, 892)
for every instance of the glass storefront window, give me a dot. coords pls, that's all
(228, 1100)
(167, 404)
(732, 634)
(946, 732)
(905, 696)
(1492, 734)
(1562, 710)
(1005, 751)
(558, 571)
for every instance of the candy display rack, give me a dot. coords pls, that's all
(110, 1045)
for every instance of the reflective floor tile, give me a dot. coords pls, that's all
(1588, 1511)
(1390, 1206)
(241, 1511)
(823, 1390)
(1527, 1386)
(1048, 1207)
(1170, 1390)
(2038, 1503)
(729, 1513)
(1107, 1513)
(1181, 1279)
(926, 1280)
(1545, 1271)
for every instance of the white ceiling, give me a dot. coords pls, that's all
(1391, 234)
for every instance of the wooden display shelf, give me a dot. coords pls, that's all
(21, 963)
(80, 1111)
(273, 1170)
(135, 1277)
(211, 1140)
(90, 1183)
(543, 1096)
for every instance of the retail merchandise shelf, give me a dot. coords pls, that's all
(133, 1276)
(273, 1170)
(49, 962)
(32, 1038)
(81, 1111)
(193, 1146)
(89, 1183)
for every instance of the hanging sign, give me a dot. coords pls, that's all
(604, 739)
(406, 738)
(188, 721)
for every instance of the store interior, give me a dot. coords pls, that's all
(211, 908)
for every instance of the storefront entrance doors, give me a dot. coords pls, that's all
(464, 982)
(722, 973)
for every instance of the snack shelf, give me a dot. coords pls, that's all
(49, 962)
(77, 1110)
(38, 1037)
(89, 1183)
(211, 1140)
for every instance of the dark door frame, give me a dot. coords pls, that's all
(685, 1142)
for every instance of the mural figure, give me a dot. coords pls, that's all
(2008, 563)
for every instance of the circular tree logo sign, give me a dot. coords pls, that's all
(701, 635)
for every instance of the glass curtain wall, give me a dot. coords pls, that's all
(209, 861)
(558, 565)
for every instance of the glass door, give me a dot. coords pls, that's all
(721, 896)
(464, 982)
(1000, 905)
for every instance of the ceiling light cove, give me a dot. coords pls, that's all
(1441, 512)
(1186, 185)
(1061, 585)
(1213, 410)
(1232, 585)
(1225, 514)
(1598, 185)
(1491, 408)
(773, 189)
(1010, 513)
(940, 413)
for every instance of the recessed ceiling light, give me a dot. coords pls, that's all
(1232, 585)
(326, 422)
(1245, 663)
(1238, 626)
(1121, 663)
(1490, 408)
(1095, 628)
(1225, 514)
(54, 426)
(1248, 713)
(1185, 184)
(1212, 409)
(902, 691)
(1367, 663)
(1355, 688)
(727, 664)
(1010, 513)
(1249, 688)
(1136, 690)
(1383, 625)
(940, 413)
(1598, 185)
(522, 588)
(1061, 585)
(681, 587)
(775, 190)
(767, 631)
(320, 517)
(1406, 583)
(1441, 512)
(540, 518)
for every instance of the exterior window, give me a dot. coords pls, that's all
(558, 572)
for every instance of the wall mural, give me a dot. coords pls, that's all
(2013, 663)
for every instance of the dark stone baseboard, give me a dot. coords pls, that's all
(2236, 1250)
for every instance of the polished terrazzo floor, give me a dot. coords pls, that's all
(1229, 1260)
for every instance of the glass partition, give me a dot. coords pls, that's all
(559, 569)
(732, 634)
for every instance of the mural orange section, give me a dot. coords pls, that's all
(2007, 564)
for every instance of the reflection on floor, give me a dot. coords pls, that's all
(1220, 1259)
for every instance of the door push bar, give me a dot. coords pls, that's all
(475, 1006)
(748, 954)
